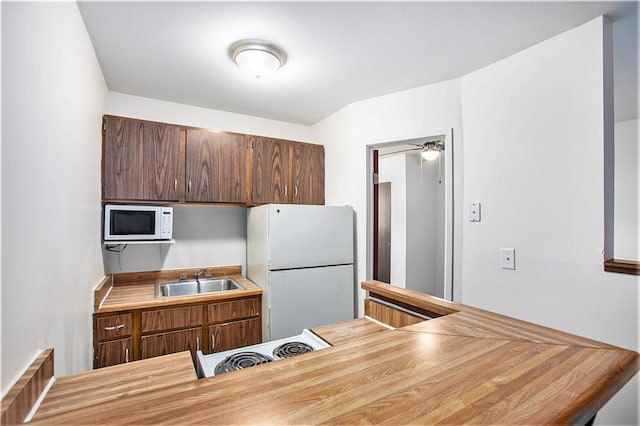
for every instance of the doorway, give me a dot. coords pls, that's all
(410, 212)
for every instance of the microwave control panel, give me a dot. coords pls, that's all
(166, 230)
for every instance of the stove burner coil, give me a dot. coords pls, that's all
(241, 360)
(289, 349)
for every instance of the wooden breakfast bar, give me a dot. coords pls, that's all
(465, 366)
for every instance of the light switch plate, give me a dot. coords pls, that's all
(507, 258)
(474, 211)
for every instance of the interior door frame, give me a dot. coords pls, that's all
(449, 217)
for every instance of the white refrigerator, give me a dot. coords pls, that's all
(302, 257)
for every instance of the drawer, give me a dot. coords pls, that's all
(233, 309)
(171, 342)
(113, 326)
(168, 319)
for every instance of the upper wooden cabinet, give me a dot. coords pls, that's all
(286, 172)
(270, 171)
(308, 173)
(145, 161)
(216, 167)
(142, 160)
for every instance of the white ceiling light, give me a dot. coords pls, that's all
(431, 150)
(256, 57)
(430, 155)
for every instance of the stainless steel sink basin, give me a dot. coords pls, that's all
(192, 287)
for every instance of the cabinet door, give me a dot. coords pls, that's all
(388, 315)
(270, 171)
(141, 160)
(216, 167)
(235, 334)
(233, 309)
(112, 353)
(308, 173)
(172, 342)
(167, 319)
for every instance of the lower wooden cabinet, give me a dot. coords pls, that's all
(388, 315)
(144, 333)
(171, 342)
(112, 352)
(230, 335)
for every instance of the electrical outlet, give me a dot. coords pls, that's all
(508, 258)
(474, 211)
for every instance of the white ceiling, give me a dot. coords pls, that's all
(338, 52)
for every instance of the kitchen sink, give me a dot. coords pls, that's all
(193, 287)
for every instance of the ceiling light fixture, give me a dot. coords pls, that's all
(431, 150)
(256, 57)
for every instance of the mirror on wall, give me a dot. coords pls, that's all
(410, 203)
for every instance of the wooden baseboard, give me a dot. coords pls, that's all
(24, 394)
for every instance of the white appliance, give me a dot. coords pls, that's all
(135, 223)
(302, 257)
(249, 356)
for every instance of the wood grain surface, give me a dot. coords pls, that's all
(215, 167)
(469, 366)
(17, 403)
(168, 319)
(390, 316)
(622, 266)
(99, 387)
(397, 377)
(345, 332)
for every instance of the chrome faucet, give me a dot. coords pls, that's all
(197, 275)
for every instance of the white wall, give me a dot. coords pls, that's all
(533, 137)
(420, 112)
(170, 112)
(205, 235)
(53, 95)
(425, 226)
(393, 170)
(626, 238)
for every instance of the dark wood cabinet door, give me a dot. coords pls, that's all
(308, 173)
(112, 353)
(235, 334)
(168, 319)
(172, 342)
(270, 171)
(216, 167)
(234, 309)
(141, 160)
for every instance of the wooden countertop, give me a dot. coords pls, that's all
(345, 332)
(470, 366)
(136, 290)
(99, 387)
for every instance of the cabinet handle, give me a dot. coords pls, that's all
(189, 186)
(126, 355)
(197, 343)
(114, 327)
(213, 342)
(285, 190)
(295, 190)
(175, 184)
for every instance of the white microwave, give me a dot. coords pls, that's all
(137, 223)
